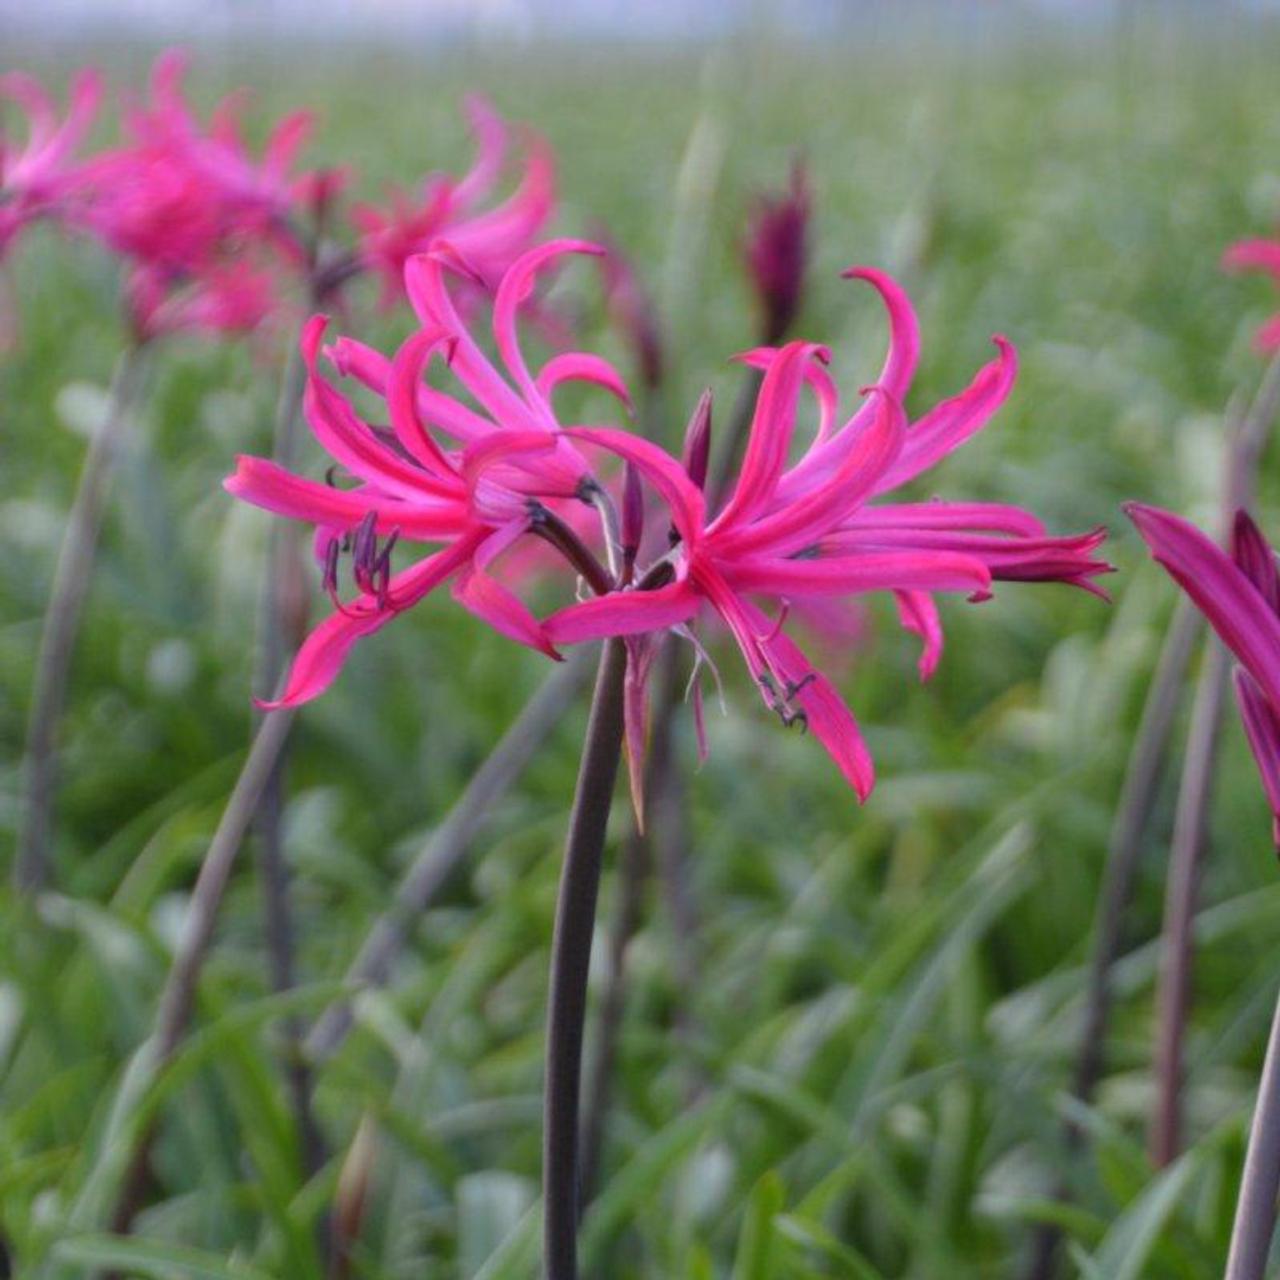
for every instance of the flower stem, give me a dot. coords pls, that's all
(62, 621)
(1256, 1209)
(1177, 946)
(570, 963)
(178, 997)
(276, 625)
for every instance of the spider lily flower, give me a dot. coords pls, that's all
(470, 481)
(1258, 255)
(812, 530)
(1239, 595)
(233, 298)
(776, 250)
(180, 195)
(36, 176)
(488, 239)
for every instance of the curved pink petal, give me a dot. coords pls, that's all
(950, 423)
(268, 485)
(490, 601)
(403, 404)
(350, 440)
(623, 613)
(1253, 255)
(424, 282)
(1234, 607)
(824, 710)
(327, 647)
(772, 426)
(503, 232)
(918, 614)
(490, 133)
(868, 571)
(354, 359)
(1257, 561)
(684, 500)
(805, 520)
(816, 378)
(517, 284)
(284, 143)
(990, 517)
(1262, 728)
(578, 366)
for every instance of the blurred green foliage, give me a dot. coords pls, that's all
(888, 999)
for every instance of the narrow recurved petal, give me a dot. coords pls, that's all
(1253, 553)
(1234, 607)
(949, 424)
(1262, 727)
(327, 647)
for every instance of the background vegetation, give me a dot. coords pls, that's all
(867, 1078)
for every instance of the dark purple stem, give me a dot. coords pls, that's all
(1256, 1208)
(62, 623)
(570, 963)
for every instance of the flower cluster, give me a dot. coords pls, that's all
(214, 235)
(473, 482)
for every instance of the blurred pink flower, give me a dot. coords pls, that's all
(236, 297)
(1239, 594)
(1258, 255)
(181, 196)
(776, 250)
(488, 240)
(36, 176)
(504, 470)
(807, 530)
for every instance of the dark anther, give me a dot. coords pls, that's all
(780, 701)
(795, 686)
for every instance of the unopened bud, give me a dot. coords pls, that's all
(697, 441)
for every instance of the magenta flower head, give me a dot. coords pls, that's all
(1258, 255)
(487, 238)
(1239, 594)
(790, 532)
(181, 194)
(36, 176)
(776, 250)
(202, 221)
(467, 478)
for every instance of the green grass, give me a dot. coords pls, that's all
(888, 997)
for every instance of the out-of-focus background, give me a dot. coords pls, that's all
(868, 1077)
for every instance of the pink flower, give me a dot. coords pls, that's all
(181, 195)
(1258, 255)
(206, 226)
(233, 298)
(1239, 594)
(36, 177)
(776, 252)
(488, 240)
(811, 529)
(502, 469)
